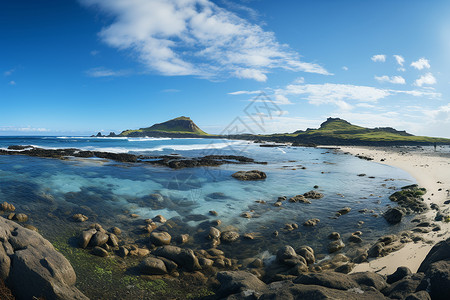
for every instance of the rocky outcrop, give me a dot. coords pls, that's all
(31, 266)
(250, 175)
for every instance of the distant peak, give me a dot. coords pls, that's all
(333, 120)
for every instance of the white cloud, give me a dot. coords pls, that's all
(94, 52)
(400, 60)
(22, 129)
(393, 79)
(245, 93)
(103, 72)
(345, 68)
(428, 79)
(9, 72)
(379, 58)
(255, 74)
(422, 63)
(196, 37)
(12, 82)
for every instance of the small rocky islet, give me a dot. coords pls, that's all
(166, 252)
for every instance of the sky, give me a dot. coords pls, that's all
(76, 67)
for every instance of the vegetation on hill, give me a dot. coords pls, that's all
(178, 126)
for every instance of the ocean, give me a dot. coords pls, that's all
(50, 191)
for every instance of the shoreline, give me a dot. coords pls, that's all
(431, 171)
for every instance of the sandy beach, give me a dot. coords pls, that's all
(431, 170)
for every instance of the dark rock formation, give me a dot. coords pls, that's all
(31, 267)
(249, 175)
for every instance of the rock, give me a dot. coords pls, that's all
(421, 295)
(160, 238)
(335, 246)
(344, 211)
(328, 279)
(285, 252)
(31, 227)
(183, 238)
(249, 175)
(278, 204)
(20, 218)
(394, 215)
(437, 280)
(313, 195)
(116, 231)
(440, 251)
(152, 266)
(237, 282)
(229, 236)
(334, 236)
(113, 240)
(213, 213)
(345, 268)
(311, 222)
(355, 239)
(99, 239)
(79, 218)
(299, 198)
(399, 274)
(183, 257)
(376, 250)
(7, 207)
(404, 287)
(307, 253)
(214, 233)
(123, 251)
(370, 279)
(86, 237)
(35, 264)
(99, 251)
(246, 215)
(159, 219)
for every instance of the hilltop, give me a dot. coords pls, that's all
(178, 127)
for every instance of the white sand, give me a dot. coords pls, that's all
(428, 169)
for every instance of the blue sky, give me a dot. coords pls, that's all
(77, 67)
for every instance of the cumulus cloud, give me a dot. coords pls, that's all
(196, 37)
(421, 64)
(393, 79)
(427, 79)
(103, 72)
(379, 58)
(345, 68)
(400, 60)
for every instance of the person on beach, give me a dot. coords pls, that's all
(434, 146)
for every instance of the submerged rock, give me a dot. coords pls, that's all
(394, 215)
(160, 238)
(311, 222)
(229, 236)
(79, 218)
(313, 195)
(249, 175)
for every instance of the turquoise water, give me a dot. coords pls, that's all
(51, 190)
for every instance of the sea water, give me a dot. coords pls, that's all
(51, 190)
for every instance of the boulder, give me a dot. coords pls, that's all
(404, 287)
(437, 280)
(334, 236)
(229, 236)
(86, 237)
(79, 218)
(370, 279)
(20, 217)
(214, 233)
(36, 265)
(99, 251)
(99, 239)
(299, 198)
(160, 238)
(153, 266)
(399, 274)
(311, 222)
(183, 257)
(232, 282)
(307, 253)
(335, 246)
(440, 251)
(250, 175)
(394, 215)
(328, 279)
(313, 195)
(421, 295)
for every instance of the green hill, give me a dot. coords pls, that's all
(335, 131)
(181, 126)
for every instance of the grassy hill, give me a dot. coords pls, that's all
(181, 126)
(335, 131)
